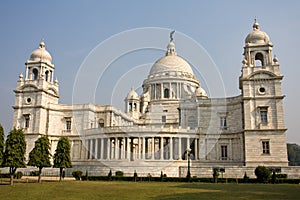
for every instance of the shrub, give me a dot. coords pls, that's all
(4, 175)
(119, 173)
(216, 174)
(135, 176)
(281, 175)
(77, 174)
(149, 177)
(263, 174)
(34, 173)
(18, 175)
(109, 176)
(246, 178)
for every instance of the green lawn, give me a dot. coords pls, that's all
(89, 190)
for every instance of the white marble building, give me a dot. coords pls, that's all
(173, 114)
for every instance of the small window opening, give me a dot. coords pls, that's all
(47, 75)
(259, 60)
(27, 120)
(35, 74)
(163, 119)
(166, 93)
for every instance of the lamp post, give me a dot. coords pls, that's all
(188, 176)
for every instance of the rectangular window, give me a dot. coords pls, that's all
(68, 124)
(224, 152)
(266, 147)
(27, 120)
(163, 119)
(223, 122)
(263, 114)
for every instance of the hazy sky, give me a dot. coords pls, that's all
(72, 29)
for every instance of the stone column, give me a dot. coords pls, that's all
(161, 148)
(101, 149)
(121, 148)
(229, 151)
(144, 149)
(179, 148)
(171, 148)
(161, 91)
(196, 148)
(96, 148)
(152, 148)
(199, 148)
(52, 76)
(139, 156)
(108, 148)
(116, 148)
(128, 148)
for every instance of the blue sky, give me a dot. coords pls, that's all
(72, 29)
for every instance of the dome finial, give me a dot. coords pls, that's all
(171, 36)
(171, 47)
(42, 44)
(256, 24)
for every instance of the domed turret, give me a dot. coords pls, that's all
(132, 94)
(41, 54)
(257, 36)
(200, 92)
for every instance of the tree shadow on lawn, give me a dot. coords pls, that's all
(232, 191)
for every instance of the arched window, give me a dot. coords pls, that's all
(47, 75)
(130, 107)
(259, 60)
(166, 93)
(35, 74)
(101, 123)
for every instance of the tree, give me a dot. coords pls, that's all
(293, 154)
(14, 154)
(62, 158)
(40, 155)
(263, 174)
(1, 144)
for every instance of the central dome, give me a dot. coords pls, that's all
(171, 63)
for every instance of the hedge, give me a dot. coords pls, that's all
(183, 179)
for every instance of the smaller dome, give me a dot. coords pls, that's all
(200, 92)
(132, 94)
(41, 54)
(257, 36)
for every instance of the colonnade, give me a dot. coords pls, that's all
(141, 148)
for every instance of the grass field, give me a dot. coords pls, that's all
(89, 190)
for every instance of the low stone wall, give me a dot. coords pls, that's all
(173, 170)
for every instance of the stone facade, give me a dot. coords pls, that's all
(171, 121)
